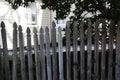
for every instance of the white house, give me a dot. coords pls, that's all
(32, 16)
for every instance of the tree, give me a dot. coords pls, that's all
(108, 9)
(16, 3)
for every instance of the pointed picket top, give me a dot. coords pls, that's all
(89, 23)
(68, 27)
(97, 23)
(81, 24)
(41, 30)
(2, 24)
(15, 25)
(59, 29)
(118, 30)
(75, 24)
(20, 28)
(111, 22)
(68, 24)
(103, 22)
(53, 24)
(35, 30)
(46, 29)
(117, 67)
(28, 30)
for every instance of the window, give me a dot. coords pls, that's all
(31, 14)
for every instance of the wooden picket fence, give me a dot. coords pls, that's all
(96, 56)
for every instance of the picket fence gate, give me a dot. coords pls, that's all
(94, 60)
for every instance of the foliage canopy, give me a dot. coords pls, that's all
(16, 3)
(108, 9)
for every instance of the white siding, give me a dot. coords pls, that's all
(43, 18)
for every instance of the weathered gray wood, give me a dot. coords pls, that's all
(117, 68)
(110, 59)
(60, 53)
(48, 56)
(75, 54)
(14, 74)
(42, 54)
(54, 58)
(36, 54)
(5, 52)
(1, 63)
(89, 51)
(22, 56)
(82, 52)
(96, 54)
(29, 49)
(103, 55)
(68, 54)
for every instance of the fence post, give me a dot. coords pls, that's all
(75, 53)
(36, 54)
(48, 56)
(96, 49)
(82, 52)
(5, 53)
(117, 67)
(103, 55)
(54, 58)
(22, 56)
(68, 54)
(110, 57)
(60, 53)
(30, 63)
(89, 51)
(42, 54)
(14, 74)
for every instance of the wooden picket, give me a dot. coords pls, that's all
(1, 63)
(103, 54)
(117, 67)
(89, 51)
(30, 62)
(37, 61)
(96, 54)
(60, 53)
(48, 56)
(42, 55)
(75, 53)
(110, 57)
(22, 55)
(68, 53)
(54, 59)
(14, 76)
(5, 54)
(92, 55)
(82, 52)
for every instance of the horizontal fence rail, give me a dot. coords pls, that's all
(92, 52)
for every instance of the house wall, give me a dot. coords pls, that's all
(32, 16)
